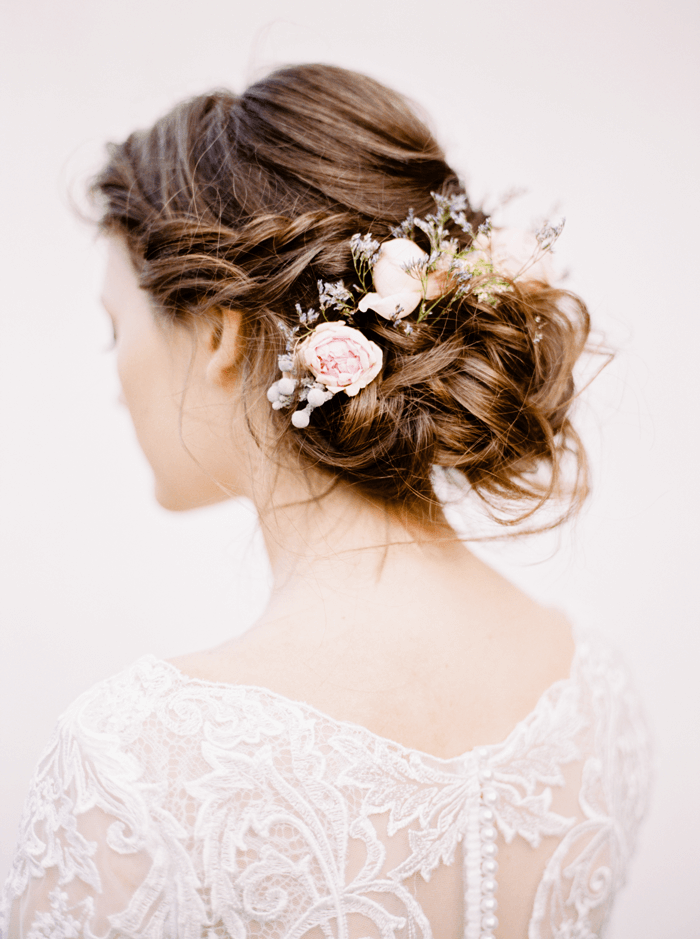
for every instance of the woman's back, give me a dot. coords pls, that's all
(230, 810)
(440, 654)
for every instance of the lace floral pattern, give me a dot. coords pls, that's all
(165, 806)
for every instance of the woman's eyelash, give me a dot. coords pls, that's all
(112, 344)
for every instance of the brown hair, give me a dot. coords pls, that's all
(245, 202)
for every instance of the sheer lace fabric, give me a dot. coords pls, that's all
(165, 806)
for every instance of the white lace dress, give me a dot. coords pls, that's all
(166, 806)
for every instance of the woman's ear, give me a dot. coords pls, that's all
(224, 347)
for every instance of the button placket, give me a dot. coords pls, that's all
(480, 850)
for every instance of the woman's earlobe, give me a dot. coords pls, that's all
(224, 345)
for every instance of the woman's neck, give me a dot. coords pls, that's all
(340, 548)
(389, 625)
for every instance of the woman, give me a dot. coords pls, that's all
(308, 312)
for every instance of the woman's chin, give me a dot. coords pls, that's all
(179, 499)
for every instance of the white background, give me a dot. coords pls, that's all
(593, 107)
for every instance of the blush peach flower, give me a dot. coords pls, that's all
(514, 253)
(340, 357)
(398, 282)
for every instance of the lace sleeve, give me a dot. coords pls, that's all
(85, 846)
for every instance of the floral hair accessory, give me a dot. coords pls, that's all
(406, 279)
(401, 280)
(339, 357)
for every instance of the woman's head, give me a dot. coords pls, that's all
(233, 208)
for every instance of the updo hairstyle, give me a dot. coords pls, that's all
(246, 202)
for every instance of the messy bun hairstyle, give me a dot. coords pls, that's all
(246, 202)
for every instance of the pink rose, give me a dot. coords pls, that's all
(400, 280)
(340, 357)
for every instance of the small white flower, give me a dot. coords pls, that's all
(286, 386)
(364, 248)
(401, 280)
(317, 396)
(333, 295)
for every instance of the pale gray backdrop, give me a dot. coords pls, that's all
(593, 107)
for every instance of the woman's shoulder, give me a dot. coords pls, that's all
(601, 665)
(612, 698)
(164, 701)
(121, 700)
(442, 689)
(594, 681)
(154, 700)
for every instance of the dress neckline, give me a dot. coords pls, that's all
(411, 753)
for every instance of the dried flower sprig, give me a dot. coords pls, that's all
(406, 279)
